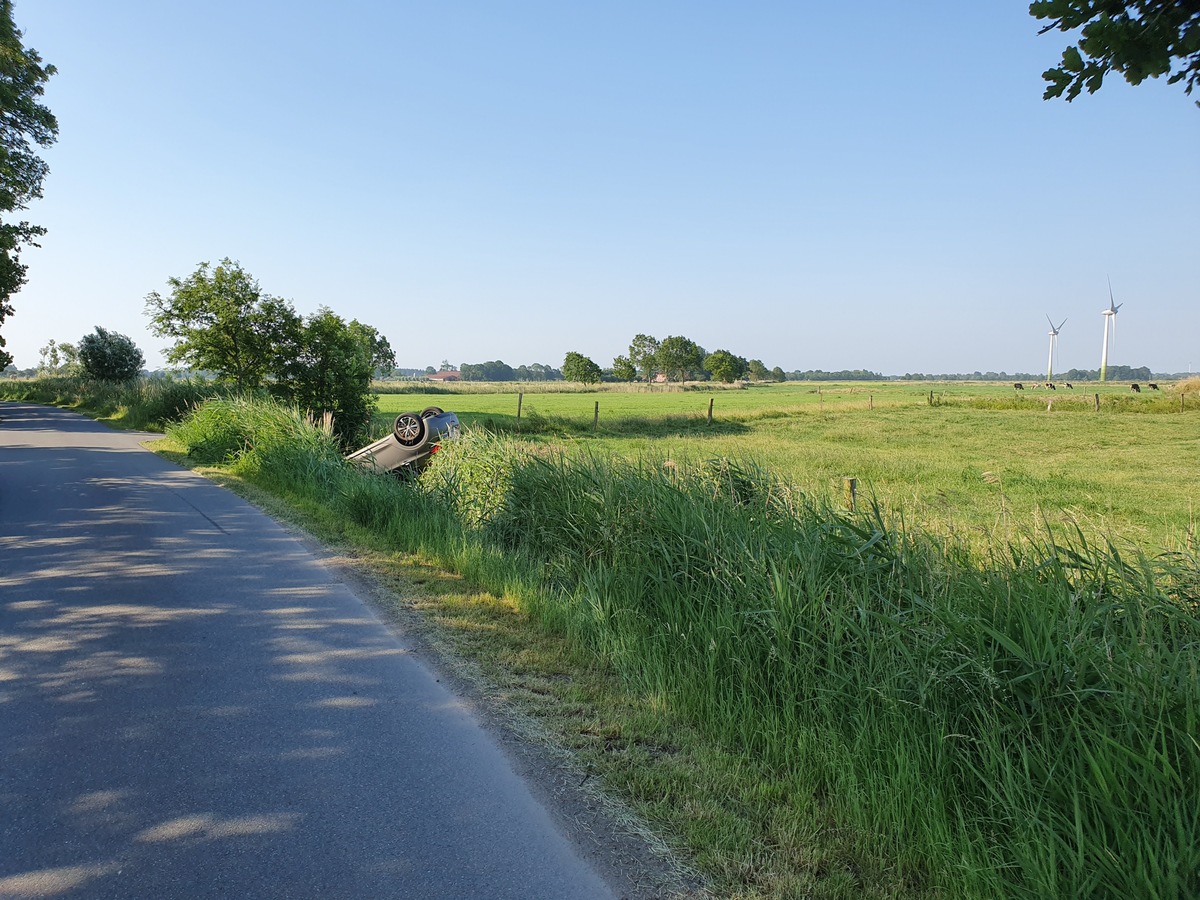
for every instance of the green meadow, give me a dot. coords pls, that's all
(976, 458)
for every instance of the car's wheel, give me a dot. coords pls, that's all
(410, 429)
(432, 411)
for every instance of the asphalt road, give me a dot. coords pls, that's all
(192, 705)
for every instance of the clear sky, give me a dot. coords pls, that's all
(819, 185)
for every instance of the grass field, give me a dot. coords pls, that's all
(980, 458)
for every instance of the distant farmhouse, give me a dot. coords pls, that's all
(444, 376)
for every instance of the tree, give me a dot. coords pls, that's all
(724, 366)
(58, 359)
(22, 120)
(777, 374)
(623, 369)
(643, 354)
(679, 358)
(758, 370)
(222, 321)
(383, 358)
(577, 367)
(492, 370)
(1140, 39)
(329, 370)
(109, 356)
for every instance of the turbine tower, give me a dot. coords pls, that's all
(1110, 324)
(1053, 346)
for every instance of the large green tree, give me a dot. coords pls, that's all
(1139, 39)
(577, 367)
(223, 322)
(623, 369)
(725, 366)
(328, 370)
(680, 358)
(643, 354)
(23, 122)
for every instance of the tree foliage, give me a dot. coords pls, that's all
(23, 122)
(329, 371)
(725, 366)
(492, 370)
(643, 355)
(109, 356)
(623, 369)
(680, 358)
(1139, 39)
(577, 367)
(57, 358)
(222, 322)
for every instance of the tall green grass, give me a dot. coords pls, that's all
(1019, 722)
(146, 403)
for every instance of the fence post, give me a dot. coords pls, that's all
(851, 488)
(710, 405)
(596, 417)
(870, 401)
(520, 397)
(1097, 396)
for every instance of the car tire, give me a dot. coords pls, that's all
(432, 411)
(410, 429)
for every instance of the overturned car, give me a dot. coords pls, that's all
(414, 438)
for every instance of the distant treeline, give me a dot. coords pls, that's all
(497, 370)
(1115, 373)
(843, 375)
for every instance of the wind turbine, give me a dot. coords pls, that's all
(1053, 346)
(1110, 324)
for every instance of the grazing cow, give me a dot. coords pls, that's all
(1071, 386)
(1050, 384)
(1019, 386)
(1136, 388)
(1152, 386)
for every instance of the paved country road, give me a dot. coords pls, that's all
(192, 706)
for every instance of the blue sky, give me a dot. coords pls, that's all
(874, 185)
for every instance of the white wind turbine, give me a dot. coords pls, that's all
(1110, 324)
(1053, 347)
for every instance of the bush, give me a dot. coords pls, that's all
(109, 356)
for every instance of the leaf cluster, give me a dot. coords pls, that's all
(24, 122)
(577, 367)
(1139, 39)
(109, 356)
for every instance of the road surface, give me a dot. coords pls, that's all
(193, 706)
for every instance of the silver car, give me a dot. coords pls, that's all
(414, 437)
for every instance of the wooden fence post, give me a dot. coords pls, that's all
(520, 397)
(870, 401)
(851, 488)
(596, 417)
(1097, 396)
(710, 406)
